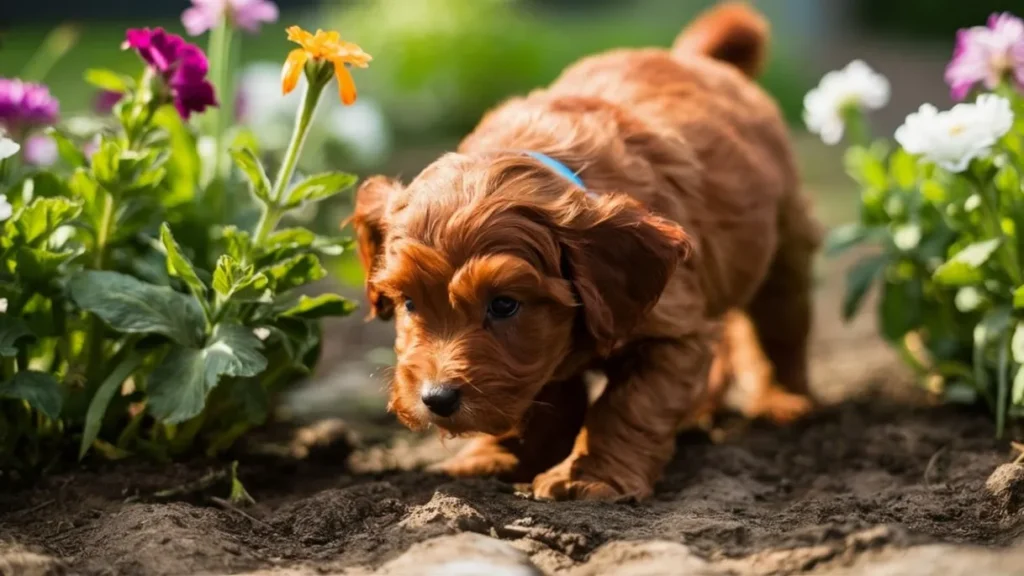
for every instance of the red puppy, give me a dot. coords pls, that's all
(608, 222)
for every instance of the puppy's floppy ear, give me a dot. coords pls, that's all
(368, 220)
(620, 259)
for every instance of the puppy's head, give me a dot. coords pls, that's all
(496, 271)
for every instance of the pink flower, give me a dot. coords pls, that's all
(181, 65)
(40, 150)
(245, 14)
(986, 55)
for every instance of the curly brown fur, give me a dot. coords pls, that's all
(692, 209)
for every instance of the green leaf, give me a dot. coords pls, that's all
(319, 187)
(1017, 343)
(44, 215)
(12, 330)
(45, 185)
(297, 271)
(133, 307)
(867, 168)
(964, 268)
(251, 166)
(252, 399)
(178, 264)
(39, 267)
(106, 80)
(1017, 396)
(859, 279)
(104, 394)
(179, 385)
(232, 281)
(1018, 297)
(237, 242)
(39, 389)
(290, 242)
(106, 164)
(841, 239)
(900, 308)
(1007, 180)
(68, 150)
(319, 307)
(903, 169)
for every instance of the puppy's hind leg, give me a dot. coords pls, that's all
(781, 309)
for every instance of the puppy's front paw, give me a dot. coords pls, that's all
(571, 480)
(480, 458)
(782, 408)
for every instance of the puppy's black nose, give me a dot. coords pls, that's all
(442, 399)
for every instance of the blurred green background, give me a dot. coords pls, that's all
(439, 64)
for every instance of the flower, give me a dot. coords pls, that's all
(986, 55)
(182, 66)
(323, 47)
(40, 150)
(25, 105)
(8, 147)
(106, 100)
(5, 208)
(261, 332)
(952, 139)
(246, 14)
(856, 86)
(3, 305)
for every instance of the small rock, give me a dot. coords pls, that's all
(16, 560)
(650, 558)
(448, 510)
(464, 554)
(1006, 486)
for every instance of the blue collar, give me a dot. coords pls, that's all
(559, 168)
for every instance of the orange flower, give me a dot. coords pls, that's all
(323, 47)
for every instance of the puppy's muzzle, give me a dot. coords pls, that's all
(442, 399)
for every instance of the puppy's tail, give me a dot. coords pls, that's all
(732, 32)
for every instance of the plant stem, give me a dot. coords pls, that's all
(272, 212)
(302, 121)
(219, 119)
(1003, 385)
(1007, 250)
(96, 327)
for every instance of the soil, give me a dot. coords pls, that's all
(877, 482)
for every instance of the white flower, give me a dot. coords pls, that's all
(5, 208)
(857, 86)
(953, 138)
(262, 333)
(3, 305)
(8, 147)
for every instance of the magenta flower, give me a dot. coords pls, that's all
(182, 66)
(24, 106)
(245, 14)
(986, 55)
(106, 100)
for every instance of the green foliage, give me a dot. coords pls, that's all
(946, 256)
(143, 316)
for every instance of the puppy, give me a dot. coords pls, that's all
(607, 223)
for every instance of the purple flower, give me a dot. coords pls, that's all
(106, 100)
(182, 66)
(24, 105)
(245, 14)
(40, 150)
(986, 55)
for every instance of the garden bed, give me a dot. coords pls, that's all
(879, 481)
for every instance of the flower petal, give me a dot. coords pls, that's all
(346, 85)
(293, 69)
(198, 20)
(300, 36)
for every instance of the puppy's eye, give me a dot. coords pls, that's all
(409, 306)
(503, 307)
